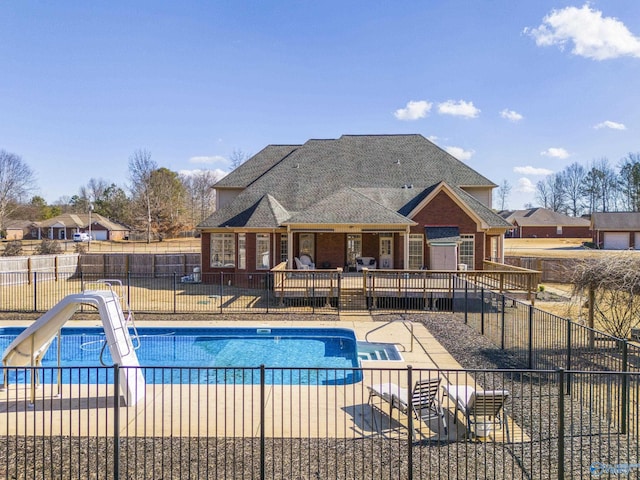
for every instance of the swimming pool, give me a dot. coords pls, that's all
(222, 355)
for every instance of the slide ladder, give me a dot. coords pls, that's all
(28, 348)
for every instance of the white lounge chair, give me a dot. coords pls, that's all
(425, 402)
(483, 410)
(304, 263)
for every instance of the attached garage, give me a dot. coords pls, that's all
(616, 240)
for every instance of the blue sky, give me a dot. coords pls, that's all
(515, 89)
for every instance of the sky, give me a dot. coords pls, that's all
(515, 89)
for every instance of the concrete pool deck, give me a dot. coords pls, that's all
(334, 411)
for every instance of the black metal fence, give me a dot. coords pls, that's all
(262, 423)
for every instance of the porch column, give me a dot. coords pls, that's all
(406, 248)
(289, 247)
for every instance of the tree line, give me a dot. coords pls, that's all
(600, 187)
(157, 201)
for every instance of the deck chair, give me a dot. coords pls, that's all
(483, 408)
(300, 265)
(425, 402)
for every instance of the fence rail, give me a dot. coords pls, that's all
(253, 423)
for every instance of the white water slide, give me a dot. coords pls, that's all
(30, 346)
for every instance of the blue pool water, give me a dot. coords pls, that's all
(222, 355)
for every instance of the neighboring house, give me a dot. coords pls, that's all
(17, 229)
(64, 226)
(616, 230)
(544, 223)
(399, 199)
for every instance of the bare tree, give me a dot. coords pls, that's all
(503, 193)
(237, 158)
(200, 194)
(550, 193)
(600, 186)
(613, 286)
(16, 181)
(168, 202)
(140, 168)
(572, 180)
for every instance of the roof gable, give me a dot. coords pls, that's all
(622, 221)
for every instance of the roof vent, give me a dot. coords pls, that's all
(398, 161)
(297, 165)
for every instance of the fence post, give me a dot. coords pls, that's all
(482, 311)
(466, 302)
(175, 292)
(560, 424)
(410, 422)
(269, 282)
(262, 419)
(530, 347)
(502, 332)
(128, 286)
(313, 292)
(221, 289)
(35, 291)
(569, 342)
(116, 421)
(625, 386)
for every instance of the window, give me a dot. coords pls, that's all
(223, 250)
(306, 244)
(467, 250)
(284, 248)
(416, 251)
(262, 251)
(242, 251)
(354, 248)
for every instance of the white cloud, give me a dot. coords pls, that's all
(525, 185)
(209, 160)
(556, 152)
(511, 115)
(460, 153)
(433, 139)
(529, 170)
(592, 35)
(414, 110)
(458, 109)
(610, 124)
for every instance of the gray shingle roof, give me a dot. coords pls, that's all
(621, 221)
(442, 234)
(380, 165)
(348, 206)
(543, 217)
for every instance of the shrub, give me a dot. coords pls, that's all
(12, 249)
(48, 247)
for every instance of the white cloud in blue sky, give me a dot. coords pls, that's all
(511, 115)
(458, 108)
(556, 152)
(525, 186)
(460, 153)
(529, 170)
(591, 34)
(414, 110)
(194, 81)
(611, 125)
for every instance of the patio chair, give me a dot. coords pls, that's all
(365, 262)
(483, 410)
(425, 403)
(305, 262)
